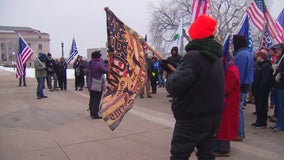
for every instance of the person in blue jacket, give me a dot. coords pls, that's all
(244, 60)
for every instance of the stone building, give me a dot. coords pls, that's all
(103, 52)
(9, 41)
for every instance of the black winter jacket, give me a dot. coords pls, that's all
(197, 85)
(262, 79)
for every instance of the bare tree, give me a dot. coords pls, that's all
(166, 17)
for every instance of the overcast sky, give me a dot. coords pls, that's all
(85, 19)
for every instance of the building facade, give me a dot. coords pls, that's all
(9, 41)
(103, 52)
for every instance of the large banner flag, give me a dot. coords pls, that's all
(199, 7)
(260, 16)
(177, 39)
(126, 70)
(73, 51)
(245, 30)
(280, 27)
(24, 54)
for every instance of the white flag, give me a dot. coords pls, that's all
(178, 35)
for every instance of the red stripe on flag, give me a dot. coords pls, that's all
(256, 16)
(271, 25)
(280, 37)
(26, 54)
(19, 66)
(198, 7)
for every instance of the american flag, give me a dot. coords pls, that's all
(260, 16)
(24, 54)
(280, 27)
(73, 51)
(199, 7)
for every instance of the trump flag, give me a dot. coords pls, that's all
(126, 70)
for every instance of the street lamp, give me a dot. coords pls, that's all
(62, 46)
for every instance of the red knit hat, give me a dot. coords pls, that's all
(203, 27)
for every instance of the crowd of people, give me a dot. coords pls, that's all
(208, 108)
(209, 91)
(53, 72)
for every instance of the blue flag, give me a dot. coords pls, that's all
(246, 31)
(73, 51)
(266, 40)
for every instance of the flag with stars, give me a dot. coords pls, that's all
(24, 54)
(73, 51)
(260, 16)
(126, 70)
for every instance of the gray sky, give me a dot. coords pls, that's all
(85, 19)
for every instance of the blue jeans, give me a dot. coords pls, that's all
(280, 98)
(49, 80)
(161, 80)
(40, 83)
(241, 132)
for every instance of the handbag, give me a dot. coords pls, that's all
(96, 85)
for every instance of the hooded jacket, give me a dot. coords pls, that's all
(197, 85)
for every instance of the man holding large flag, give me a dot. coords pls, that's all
(126, 70)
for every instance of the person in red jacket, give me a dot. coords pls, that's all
(228, 129)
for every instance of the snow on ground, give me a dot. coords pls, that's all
(30, 72)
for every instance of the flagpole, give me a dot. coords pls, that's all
(181, 41)
(217, 36)
(159, 56)
(31, 50)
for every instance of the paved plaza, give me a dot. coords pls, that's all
(59, 128)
